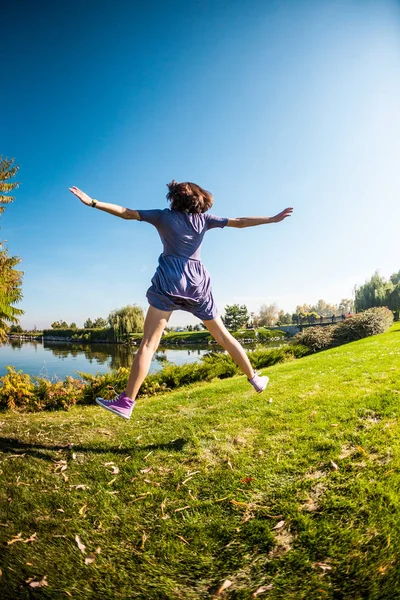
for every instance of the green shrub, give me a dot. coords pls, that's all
(316, 338)
(361, 325)
(370, 322)
(262, 358)
(265, 335)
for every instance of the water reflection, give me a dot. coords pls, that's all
(59, 359)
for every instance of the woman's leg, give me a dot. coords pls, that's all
(154, 325)
(228, 342)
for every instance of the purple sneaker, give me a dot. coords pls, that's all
(121, 405)
(259, 383)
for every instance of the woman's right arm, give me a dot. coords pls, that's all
(112, 209)
(241, 222)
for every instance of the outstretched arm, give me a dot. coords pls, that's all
(252, 221)
(112, 209)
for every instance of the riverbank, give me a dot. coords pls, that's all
(99, 336)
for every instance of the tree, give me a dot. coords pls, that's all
(10, 278)
(126, 320)
(346, 306)
(394, 301)
(100, 323)
(235, 316)
(88, 324)
(284, 318)
(395, 278)
(374, 292)
(72, 326)
(268, 315)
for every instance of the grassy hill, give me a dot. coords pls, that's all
(214, 491)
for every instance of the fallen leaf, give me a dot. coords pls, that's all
(230, 465)
(81, 546)
(334, 424)
(98, 550)
(182, 538)
(146, 470)
(360, 449)
(247, 480)
(1, 572)
(323, 566)
(36, 584)
(279, 525)
(115, 471)
(183, 508)
(262, 589)
(224, 586)
(90, 558)
(144, 538)
(82, 510)
(112, 481)
(334, 465)
(60, 509)
(236, 503)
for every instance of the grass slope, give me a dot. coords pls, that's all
(214, 491)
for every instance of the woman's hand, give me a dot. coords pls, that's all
(282, 215)
(81, 195)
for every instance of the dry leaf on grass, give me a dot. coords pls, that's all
(223, 587)
(36, 584)
(83, 509)
(334, 465)
(247, 480)
(91, 557)
(323, 566)
(146, 470)
(1, 572)
(262, 589)
(279, 525)
(81, 546)
(18, 538)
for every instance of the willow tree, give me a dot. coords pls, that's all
(126, 320)
(10, 277)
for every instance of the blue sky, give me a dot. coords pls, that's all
(267, 104)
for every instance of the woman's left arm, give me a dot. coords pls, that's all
(112, 209)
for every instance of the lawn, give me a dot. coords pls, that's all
(214, 491)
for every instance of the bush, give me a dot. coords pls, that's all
(265, 335)
(370, 322)
(316, 338)
(361, 325)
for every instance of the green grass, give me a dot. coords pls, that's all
(299, 495)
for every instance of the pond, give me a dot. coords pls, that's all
(56, 360)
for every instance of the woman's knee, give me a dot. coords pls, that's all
(149, 345)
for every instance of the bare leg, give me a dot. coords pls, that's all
(154, 325)
(227, 341)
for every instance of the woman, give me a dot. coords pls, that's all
(181, 280)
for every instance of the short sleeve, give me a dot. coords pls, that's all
(151, 216)
(214, 221)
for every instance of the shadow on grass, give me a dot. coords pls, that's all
(15, 446)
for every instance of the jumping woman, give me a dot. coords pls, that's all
(181, 281)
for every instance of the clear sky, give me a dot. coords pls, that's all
(267, 104)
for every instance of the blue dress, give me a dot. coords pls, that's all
(181, 281)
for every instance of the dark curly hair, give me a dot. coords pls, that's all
(188, 197)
